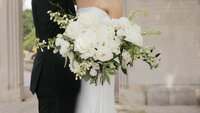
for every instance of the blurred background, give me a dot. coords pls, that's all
(172, 88)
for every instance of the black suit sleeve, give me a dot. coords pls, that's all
(35, 18)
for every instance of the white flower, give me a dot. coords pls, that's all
(95, 65)
(64, 46)
(85, 44)
(58, 41)
(88, 19)
(134, 37)
(115, 23)
(74, 30)
(63, 52)
(115, 44)
(103, 54)
(132, 34)
(93, 72)
(70, 56)
(126, 56)
(136, 28)
(75, 66)
(86, 65)
(124, 22)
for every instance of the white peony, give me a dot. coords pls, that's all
(74, 30)
(85, 44)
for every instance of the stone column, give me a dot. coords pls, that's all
(11, 51)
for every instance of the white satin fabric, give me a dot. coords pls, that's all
(92, 98)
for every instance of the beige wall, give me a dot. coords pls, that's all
(177, 80)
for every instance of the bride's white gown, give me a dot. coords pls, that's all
(96, 99)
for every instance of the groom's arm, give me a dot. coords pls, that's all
(35, 18)
(45, 28)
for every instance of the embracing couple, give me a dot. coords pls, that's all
(56, 88)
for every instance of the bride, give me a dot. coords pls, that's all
(98, 99)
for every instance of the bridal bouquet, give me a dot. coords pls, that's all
(97, 47)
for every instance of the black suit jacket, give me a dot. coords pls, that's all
(49, 77)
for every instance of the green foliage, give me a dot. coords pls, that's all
(29, 30)
(134, 14)
(29, 40)
(27, 21)
(151, 33)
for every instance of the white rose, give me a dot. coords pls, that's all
(89, 19)
(93, 72)
(85, 44)
(74, 30)
(134, 37)
(103, 54)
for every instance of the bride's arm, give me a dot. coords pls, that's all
(115, 10)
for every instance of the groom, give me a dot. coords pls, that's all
(55, 86)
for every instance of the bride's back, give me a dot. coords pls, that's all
(112, 7)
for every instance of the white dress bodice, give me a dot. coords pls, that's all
(98, 11)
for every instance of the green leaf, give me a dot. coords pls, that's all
(156, 66)
(112, 73)
(104, 78)
(108, 79)
(124, 70)
(65, 62)
(157, 55)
